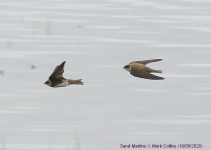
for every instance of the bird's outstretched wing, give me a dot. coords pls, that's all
(57, 74)
(146, 61)
(146, 75)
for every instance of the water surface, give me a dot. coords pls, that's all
(96, 39)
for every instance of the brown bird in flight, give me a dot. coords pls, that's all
(138, 69)
(56, 79)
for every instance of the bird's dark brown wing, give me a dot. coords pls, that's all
(146, 61)
(57, 74)
(146, 75)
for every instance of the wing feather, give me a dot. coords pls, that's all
(146, 61)
(57, 74)
(146, 75)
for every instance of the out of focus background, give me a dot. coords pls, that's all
(97, 38)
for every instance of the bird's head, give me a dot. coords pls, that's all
(127, 67)
(48, 82)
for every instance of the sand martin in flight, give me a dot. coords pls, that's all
(56, 79)
(138, 69)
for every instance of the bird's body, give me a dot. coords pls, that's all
(142, 68)
(139, 69)
(57, 80)
(62, 84)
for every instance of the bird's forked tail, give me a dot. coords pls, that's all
(158, 71)
(79, 82)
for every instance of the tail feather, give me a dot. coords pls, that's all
(158, 71)
(79, 82)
